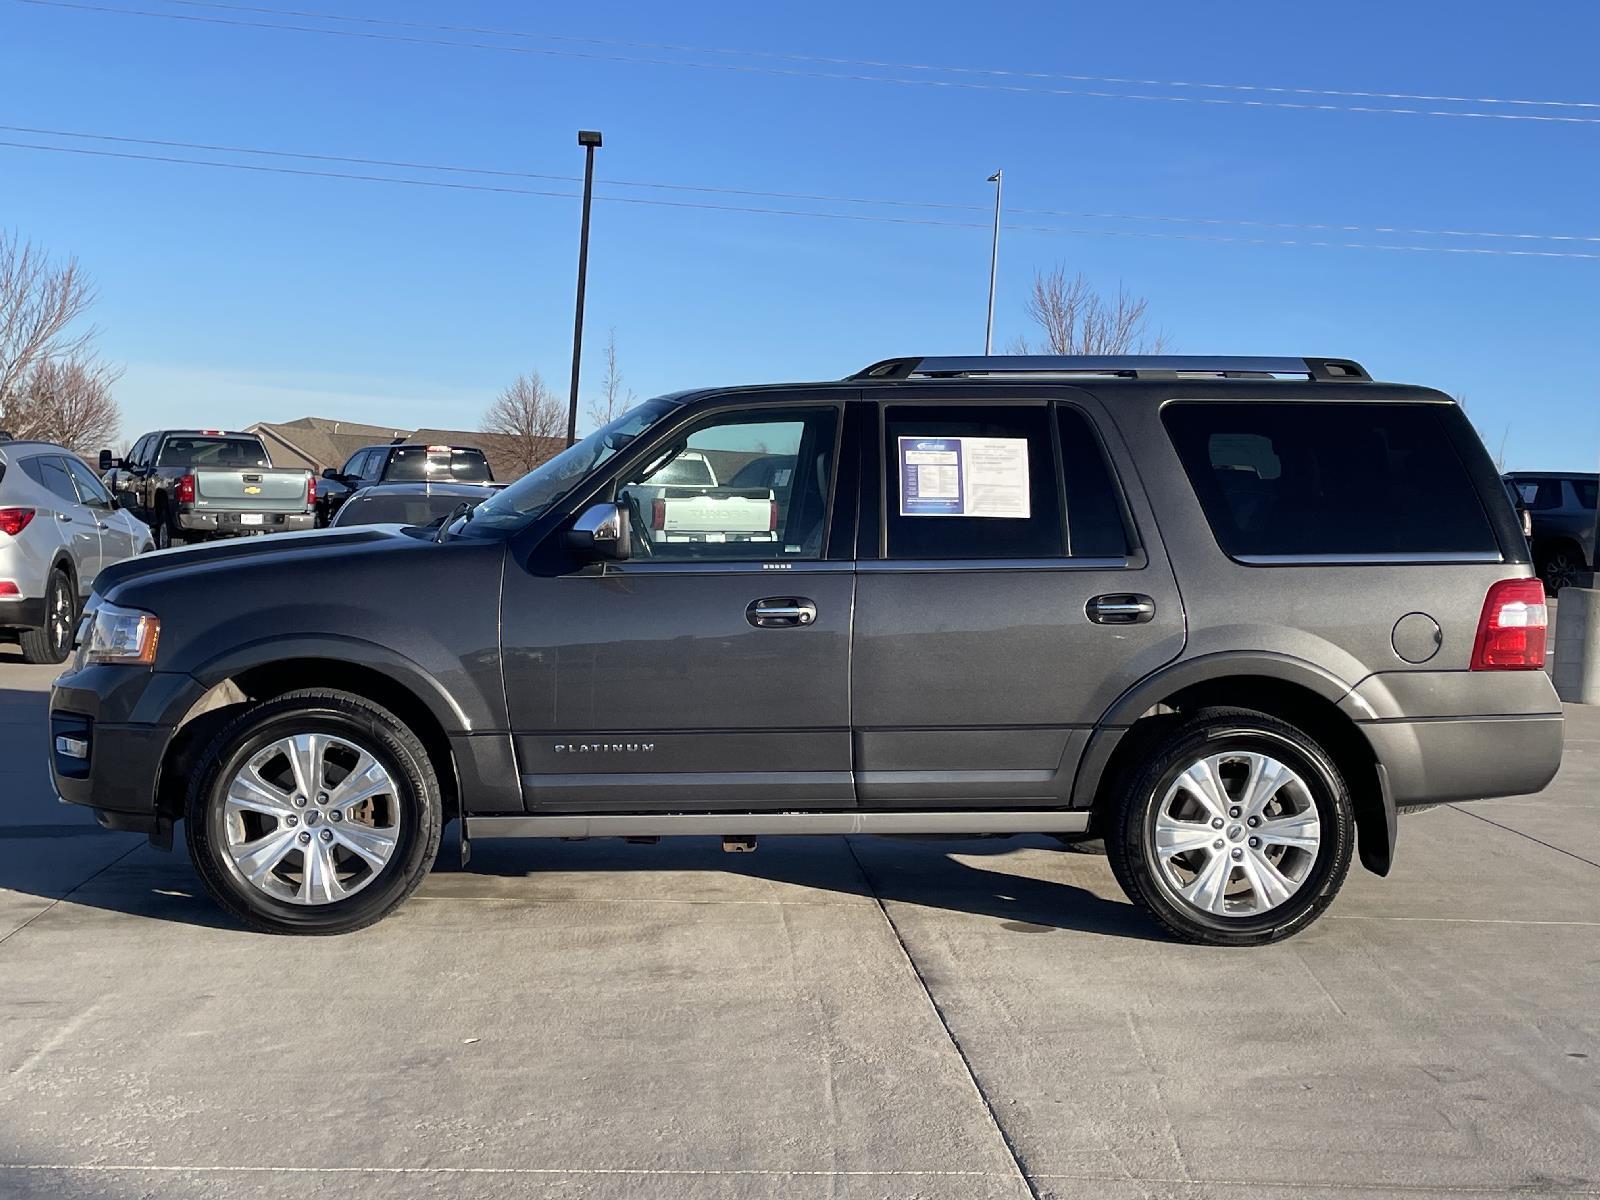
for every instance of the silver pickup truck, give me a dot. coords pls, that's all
(193, 485)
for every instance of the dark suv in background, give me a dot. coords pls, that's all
(1562, 510)
(1233, 615)
(399, 463)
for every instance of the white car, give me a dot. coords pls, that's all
(59, 528)
(681, 501)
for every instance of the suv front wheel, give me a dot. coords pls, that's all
(1236, 830)
(315, 812)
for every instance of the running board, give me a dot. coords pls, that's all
(766, 824)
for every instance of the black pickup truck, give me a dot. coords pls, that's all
(196, 484)
(399, 463)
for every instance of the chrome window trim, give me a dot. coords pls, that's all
(1343, 560)
(924, 565)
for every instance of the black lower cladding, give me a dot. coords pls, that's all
(121, 772)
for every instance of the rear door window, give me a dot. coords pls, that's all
(1588, 490)
(971, 481)
(1325, 479)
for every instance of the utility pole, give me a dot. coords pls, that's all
(588, 139)
(994, 262)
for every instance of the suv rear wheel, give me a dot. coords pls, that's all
(316, 812)
(53, 641)
(1235, 831)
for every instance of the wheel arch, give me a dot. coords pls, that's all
(231, 685)
(1295, 691)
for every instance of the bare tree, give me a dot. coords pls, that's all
(612, 402)
(39, 303)
(526, 423)
(1076, 319)
(69, 402)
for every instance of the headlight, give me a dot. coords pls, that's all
(121, 635)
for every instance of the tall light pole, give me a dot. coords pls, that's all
(588, 139)
(994, 262)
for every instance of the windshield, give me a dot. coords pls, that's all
(531, 496)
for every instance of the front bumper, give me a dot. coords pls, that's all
(232, 524)
(110, 728)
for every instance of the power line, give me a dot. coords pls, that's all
(1313, 227)
(1001, 72)
(789, 72)
(875, 218)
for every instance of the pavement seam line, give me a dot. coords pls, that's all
(1520, 834)
(76, 888)
(955, 1044)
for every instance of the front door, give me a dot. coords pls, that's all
(710, 670)
(1005, 599)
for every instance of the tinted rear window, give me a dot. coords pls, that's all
(685, 471)
(397, 510)
(1324, 479)
(212, 452)
(414, 464)
(1588, 491)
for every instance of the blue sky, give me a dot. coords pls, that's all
(235, 296)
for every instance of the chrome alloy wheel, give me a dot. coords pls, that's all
(310, 819)
(1236, 834)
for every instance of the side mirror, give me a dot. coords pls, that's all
(108, 460)
(329, 473)
(601, 533)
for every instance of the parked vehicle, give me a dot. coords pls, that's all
(400, 463)
(192, 485)
(408, 503)
(1562, 508)
(1232, 615)
(682, 502)
(1520, 506)
(58, 529)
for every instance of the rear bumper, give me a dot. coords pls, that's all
(22, 614)
(1433, 761)
(225, 524)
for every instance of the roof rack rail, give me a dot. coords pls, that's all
(1133, 366)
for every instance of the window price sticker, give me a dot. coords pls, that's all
(964, 477)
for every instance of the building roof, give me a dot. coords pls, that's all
(319, 443)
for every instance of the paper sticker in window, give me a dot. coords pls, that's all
(964, 477)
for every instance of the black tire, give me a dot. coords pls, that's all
(53, 642)
(161, 531)
(374, 729)
(1558, 567)
(1131, 827)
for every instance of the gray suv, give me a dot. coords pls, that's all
(1233, 615)
(58, 528)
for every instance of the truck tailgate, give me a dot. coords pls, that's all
(251, 489)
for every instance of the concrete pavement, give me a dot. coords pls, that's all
(824, 1018)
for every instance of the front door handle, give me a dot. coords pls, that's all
(1121, 608)
(781, 612)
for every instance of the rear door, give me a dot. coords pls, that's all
(703, 673)
(1009, 589)
(79, 527)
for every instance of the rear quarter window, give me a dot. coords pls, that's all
(1321, 479)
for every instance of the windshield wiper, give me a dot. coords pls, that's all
(465, 508)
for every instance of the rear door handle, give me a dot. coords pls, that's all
(780, 612)
(1121, 608)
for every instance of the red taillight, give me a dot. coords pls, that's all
(14, 520)
(311, 489)
(658, 514)
(1511, 631)
(186, 489)
(7, 588)
(773, 516)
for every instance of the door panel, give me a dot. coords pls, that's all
(648, 689)
(992, 678)
(709, 670)
(977, 669)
